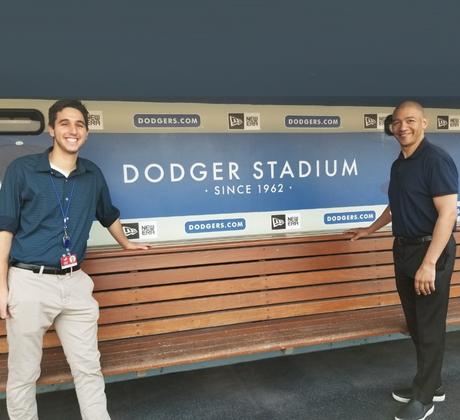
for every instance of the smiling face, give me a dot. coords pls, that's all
(69, 131)
(408, 126)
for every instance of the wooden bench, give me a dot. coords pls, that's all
(178, 306)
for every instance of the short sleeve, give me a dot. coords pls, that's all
(10, 200)
(443, 177)
(106, 212)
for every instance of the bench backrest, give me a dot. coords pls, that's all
(193, 286)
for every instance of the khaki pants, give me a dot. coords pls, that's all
(35, 301)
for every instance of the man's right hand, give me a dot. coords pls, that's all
(4, 303)
(357, 233)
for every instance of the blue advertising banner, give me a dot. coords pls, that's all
(164, 175)
(194, 174)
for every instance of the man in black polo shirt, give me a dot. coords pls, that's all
(423, 211)
(48, 202)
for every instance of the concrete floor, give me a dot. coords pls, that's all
(353, 383)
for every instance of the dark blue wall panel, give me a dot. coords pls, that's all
(259, 51)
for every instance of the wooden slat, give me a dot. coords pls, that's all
(148, 260)
(216, 244)
(198, 274)
(297, 264)
(226, 244)
(222, 287)
(241, 300)
(188, 274)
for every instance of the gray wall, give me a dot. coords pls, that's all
(251, 51)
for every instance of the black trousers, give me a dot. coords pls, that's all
(425, 315)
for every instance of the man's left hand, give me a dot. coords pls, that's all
(134, 245)
(424, 279)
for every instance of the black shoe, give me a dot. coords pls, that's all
(405, 395)
(415, 410)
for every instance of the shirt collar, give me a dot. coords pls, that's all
(422, 146)
(43, 164)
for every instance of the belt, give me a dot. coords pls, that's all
(404, 240)
(45, 269)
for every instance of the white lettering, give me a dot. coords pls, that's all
(202, 174)
(233, 189)
(258, 167)
(287, 171)
(352, 170)
(272, 164)
(303, 163)
(225, 171)
(126, 178)
(233, 170)
(181, 169)
(217, 168)
(327, 168)
(160, 171)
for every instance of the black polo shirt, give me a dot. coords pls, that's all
(429, 172)
(30, 210)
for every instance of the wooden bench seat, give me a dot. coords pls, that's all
(180, 305)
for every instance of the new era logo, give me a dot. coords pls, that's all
(370, 120)
(131, 230)
(236, 121)
(278, 221)
(443, 122)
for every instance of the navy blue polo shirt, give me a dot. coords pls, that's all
(429, 172)
(29, 208)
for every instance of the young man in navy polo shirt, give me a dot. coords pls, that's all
(48, 202)
(423, 211)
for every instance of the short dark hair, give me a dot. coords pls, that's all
(66, 103)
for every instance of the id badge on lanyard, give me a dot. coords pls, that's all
(68, 259)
